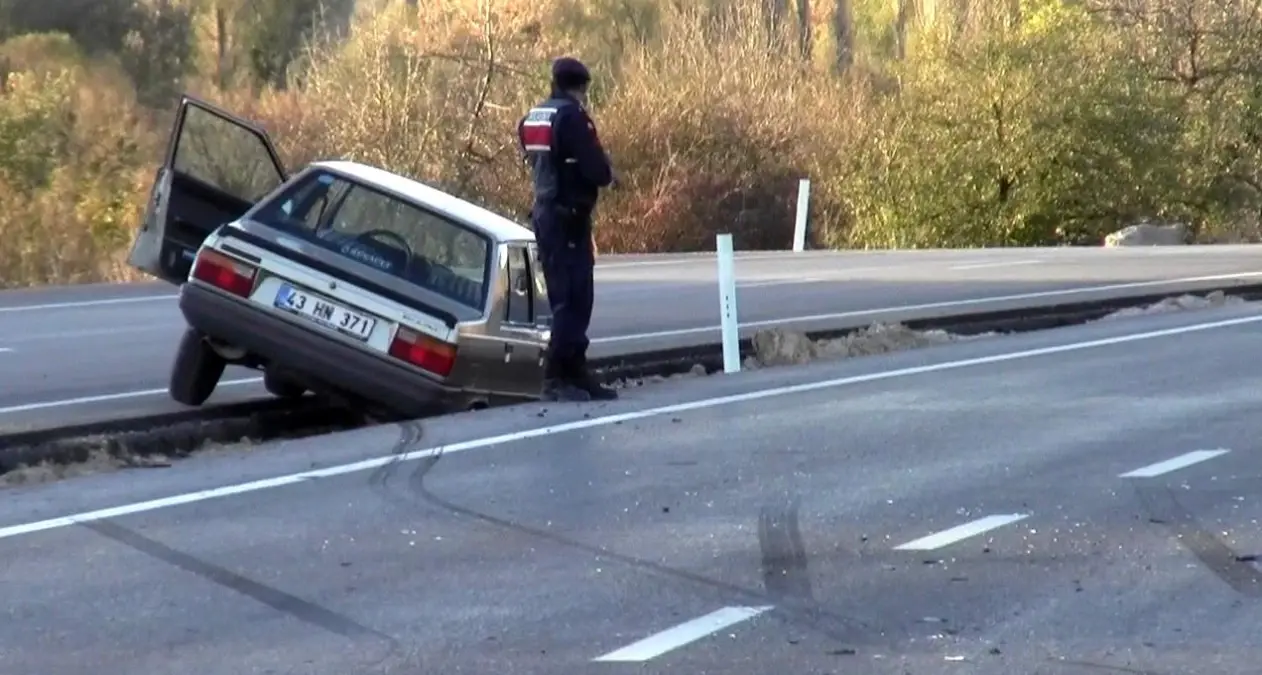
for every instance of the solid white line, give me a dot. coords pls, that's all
(86, 303)
(657, 644)
(1174, 464)
(704, 329)
(709, 256)
(927, 305)
(982, 266)
(960, 532)
(607, 420)
(28, 407)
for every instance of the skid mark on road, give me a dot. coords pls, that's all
(277, 599)
(1238, 572)
(961, 532)
(784, 562)
(685, 633)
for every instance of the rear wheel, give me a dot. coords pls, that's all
(275, 383)
(196, 370)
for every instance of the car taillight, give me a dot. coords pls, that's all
(421, 350)
(224, 272)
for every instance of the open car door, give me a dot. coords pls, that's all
(217, 166)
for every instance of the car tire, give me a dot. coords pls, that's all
(276, 384)
(196, 370)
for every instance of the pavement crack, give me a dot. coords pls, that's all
(303, 610)
(1163, 507)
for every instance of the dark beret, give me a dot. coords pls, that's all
(570, 72)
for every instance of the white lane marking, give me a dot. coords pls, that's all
(707, 257)
(102, 398)
(1174, 463)
(748, 324)
(781, 282)
(961, 532)
(982, 266)
(927, 305)
(5, 350)
(86, 303)
(657, 644)
(607, 420)
(93, 332)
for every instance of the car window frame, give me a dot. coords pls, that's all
(528, 319)
(293, 188)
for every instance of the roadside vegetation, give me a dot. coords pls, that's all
(920, 122)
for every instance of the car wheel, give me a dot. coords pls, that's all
(196, 371)
(275, 383)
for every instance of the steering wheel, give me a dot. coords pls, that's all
(398, 238)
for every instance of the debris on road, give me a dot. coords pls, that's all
(781, 347)
(1180, 303)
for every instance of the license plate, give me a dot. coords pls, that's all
(324, 312)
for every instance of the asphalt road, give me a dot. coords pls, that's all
(795, 520)
(99, 352)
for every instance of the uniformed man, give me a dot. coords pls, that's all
(569, 167)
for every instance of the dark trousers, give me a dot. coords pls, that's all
(569, 267)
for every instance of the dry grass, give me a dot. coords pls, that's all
(711, 116)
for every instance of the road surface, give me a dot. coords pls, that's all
(100, 352)
(1071, 502)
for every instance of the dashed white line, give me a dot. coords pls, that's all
(657, 644)
(961, 532)
(1174, 463)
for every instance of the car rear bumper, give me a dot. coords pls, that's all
(319, 361)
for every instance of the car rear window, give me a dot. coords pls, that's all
(381, 231)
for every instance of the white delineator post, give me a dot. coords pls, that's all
(804, 209)
(727, 304)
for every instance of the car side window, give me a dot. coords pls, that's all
(225, 155)
(518, 307)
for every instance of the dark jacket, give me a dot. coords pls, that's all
(563, 151)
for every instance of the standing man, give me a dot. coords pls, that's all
(569, 168)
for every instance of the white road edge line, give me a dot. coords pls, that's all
(606, 420)
(927, 305)
(83, 400)
(1174, 463)
(118, 396)
(86, 303)
(657, 644)
(988, 265)
(961, 532)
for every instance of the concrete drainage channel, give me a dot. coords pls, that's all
(156, 441)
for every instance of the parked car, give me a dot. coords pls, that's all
(340, 279)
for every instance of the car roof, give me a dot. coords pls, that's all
(497, 226)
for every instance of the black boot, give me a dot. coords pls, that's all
(583, 379)
(562, 391)
(557, 386)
